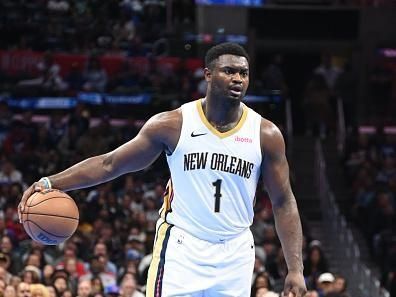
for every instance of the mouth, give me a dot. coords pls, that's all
(236, 90)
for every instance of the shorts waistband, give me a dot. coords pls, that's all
(215, 239)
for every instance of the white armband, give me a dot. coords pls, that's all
(46, 182)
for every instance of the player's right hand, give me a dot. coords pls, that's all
(35, 187)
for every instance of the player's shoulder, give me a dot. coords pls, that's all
(164, 126)
(171, 117)
(269, 129)
(271, 137)
(165, 119)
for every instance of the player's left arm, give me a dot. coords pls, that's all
(275, 172)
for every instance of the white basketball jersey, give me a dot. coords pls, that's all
(213, 175)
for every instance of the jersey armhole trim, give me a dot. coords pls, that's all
(181, 133)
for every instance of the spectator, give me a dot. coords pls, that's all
(84, 288)
(4, 266)
(382, 216)
(49, 78)
(328, 71)
(60, 280)
(15, 281)
(95, 76)
(325, 283)
(39, 250)
(35, 258)
(2, 286)
(97, 269)
(262, 280)
(7, 247)
(71, 268)
(97, 285)
(9, 291)
(70, 252)
(123, 32)
(4, 274)
(100, 249)
(133, 257)
(31, 274)
(9, 174)
(314, 265)
(129, 286)
(23, 290)
(52, 291)
(38, 290)
(339, 287)
(48, 271)
(12, 223)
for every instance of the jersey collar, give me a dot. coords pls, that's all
(213, 129)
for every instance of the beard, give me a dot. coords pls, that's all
(218, 91)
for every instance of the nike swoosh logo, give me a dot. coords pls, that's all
(199, 134)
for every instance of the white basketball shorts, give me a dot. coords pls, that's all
(184, 265)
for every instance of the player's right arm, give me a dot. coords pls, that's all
(275, 172)
(161, 132)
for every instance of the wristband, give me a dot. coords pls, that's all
(47, 183)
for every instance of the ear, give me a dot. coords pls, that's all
(207, 74)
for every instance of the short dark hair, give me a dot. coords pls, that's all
(226, 48)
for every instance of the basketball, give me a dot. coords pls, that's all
(50, 216)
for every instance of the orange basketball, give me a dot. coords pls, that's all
(50, 216)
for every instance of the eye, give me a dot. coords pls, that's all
(244, 74)
(227, 71)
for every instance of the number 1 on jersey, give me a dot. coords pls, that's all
(217, 195)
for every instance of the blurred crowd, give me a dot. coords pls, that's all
(132, 27)
(160, 81)
(129, 27)
(370, 164)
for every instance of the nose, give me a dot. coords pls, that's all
(236, 78)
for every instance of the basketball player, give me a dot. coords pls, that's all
(216, 149)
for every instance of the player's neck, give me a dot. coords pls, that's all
(222, 114)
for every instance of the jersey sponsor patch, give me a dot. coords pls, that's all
(243, 139)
